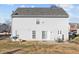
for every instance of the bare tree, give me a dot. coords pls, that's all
(5, 27)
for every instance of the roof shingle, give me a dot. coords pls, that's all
(31, 12)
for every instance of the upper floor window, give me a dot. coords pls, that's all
(37, 22)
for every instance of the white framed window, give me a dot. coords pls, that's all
(34, 34)
(44, 35)
(59, 32)
(37, 22)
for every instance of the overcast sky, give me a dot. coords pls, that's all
(6, 10)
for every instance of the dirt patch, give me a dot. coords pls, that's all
(37, 47)
(11, 51)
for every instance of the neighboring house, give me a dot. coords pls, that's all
(5, 28)
(40, 23)
(74, 27)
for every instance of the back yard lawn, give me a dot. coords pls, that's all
(7, 46)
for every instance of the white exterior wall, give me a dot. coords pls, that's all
(25, 26)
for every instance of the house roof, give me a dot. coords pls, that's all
(40, 12)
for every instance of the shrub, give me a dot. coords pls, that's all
(75, 40)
